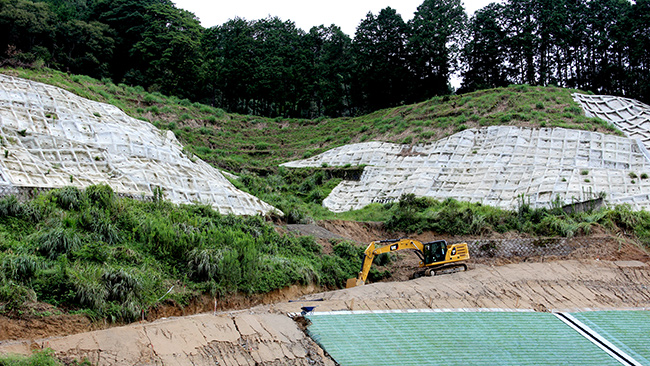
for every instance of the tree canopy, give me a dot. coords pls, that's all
(272, 68)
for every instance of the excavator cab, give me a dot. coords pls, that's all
(434, 251)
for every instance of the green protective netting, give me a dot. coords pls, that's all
(627, 330)
(453, 338)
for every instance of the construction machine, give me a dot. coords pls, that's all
(436, 257)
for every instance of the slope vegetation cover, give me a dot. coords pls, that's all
(114, 258)
(243, 142)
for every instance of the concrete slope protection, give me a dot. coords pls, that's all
(50, 138)
(497, 166)
(628, 115)
(206, 339)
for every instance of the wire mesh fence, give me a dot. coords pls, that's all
(530, 247)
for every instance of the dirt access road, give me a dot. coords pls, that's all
(265, 335)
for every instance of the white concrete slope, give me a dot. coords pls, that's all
(497, 166)
(52, 138)
(628, 115)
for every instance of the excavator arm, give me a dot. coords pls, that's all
(373, 250)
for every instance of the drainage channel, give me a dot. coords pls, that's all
(597, 339)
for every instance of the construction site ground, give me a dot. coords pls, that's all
(257, 331)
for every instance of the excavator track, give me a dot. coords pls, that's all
(440, 270)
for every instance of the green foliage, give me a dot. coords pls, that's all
(413, 214)
(14, 296)
(11, 207)
(297, 192)
(281, 140)
(101, 195)
(20, 267)
(38, 358)
(347, 250)
(113, 258)
(57, 241)
(69, 198)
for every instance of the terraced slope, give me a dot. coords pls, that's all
(628, 115)
(497, 166)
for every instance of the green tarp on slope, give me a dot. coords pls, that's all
(452, 338)
(627, 330)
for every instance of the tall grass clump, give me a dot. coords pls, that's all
(69, 198)
(57, 241)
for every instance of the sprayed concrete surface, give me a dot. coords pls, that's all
(559, 285)
(628, 115)
(265, 335)
(496, 166)
(51, 138)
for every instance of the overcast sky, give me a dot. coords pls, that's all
(347, 14)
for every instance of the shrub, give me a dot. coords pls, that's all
(335, 270)
(57, 241)
(89, 291)
(97, 222)
(69, 198)
(310, 244)
(120, 284)
(230, 271)
(204, 263)
(9, 206)
(348, 251)
(13, 296)
(101, 195)
(20, 267)
(93, 252)
(160, 238)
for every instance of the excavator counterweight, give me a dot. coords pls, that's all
(436, 257)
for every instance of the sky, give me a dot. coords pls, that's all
(347, 14)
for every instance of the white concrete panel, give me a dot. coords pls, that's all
(494, 165)
(53, 138)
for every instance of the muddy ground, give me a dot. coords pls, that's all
(613, 275)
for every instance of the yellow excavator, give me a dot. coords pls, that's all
(436, 257)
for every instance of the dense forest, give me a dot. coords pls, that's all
(271, 68)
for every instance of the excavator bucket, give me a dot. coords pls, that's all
(353, 282)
